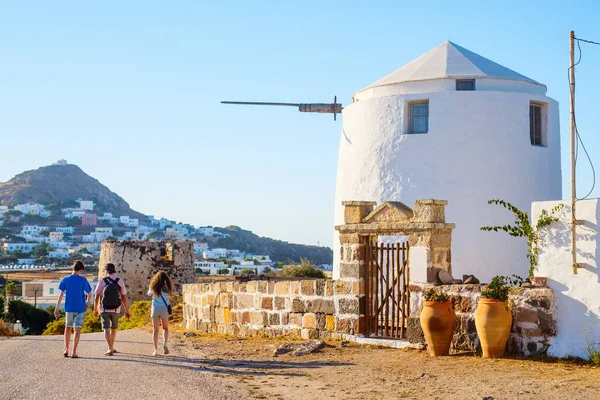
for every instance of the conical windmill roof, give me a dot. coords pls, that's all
(450, 60)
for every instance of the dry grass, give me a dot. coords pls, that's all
(5, 331)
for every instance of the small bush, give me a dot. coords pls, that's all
(247, 271)
(304, 270)
(593, 349)
(6, 331)
(90, 324)
(434, 294)
(33, 319)
(140, 316)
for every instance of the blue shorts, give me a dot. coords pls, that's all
(75, 319)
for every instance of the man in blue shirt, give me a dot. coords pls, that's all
(74, 287)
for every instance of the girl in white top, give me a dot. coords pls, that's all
(160, 288)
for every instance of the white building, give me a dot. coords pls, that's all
(61, 253)
(57, 235)
(24, 247)
(171, 233)
(26, 261)
(214, 253)
(87, 205)
(3, 209)
(61, 162)
(205, 230)
(33, 229)
(199, 248)
(45, 213)
(68, 230)
(124, 219)
(107, 231)
(133, 223)
(212, 268)
(455, 126)
(30, 208)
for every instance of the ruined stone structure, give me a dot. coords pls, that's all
(533, 311)
(137, 261)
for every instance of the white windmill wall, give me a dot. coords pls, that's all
(477, 148)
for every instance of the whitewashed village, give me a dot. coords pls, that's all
(456, 258)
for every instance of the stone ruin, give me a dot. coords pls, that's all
(137, 261)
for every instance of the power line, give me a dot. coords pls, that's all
(579, 140)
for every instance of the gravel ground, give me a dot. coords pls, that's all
(33, 367)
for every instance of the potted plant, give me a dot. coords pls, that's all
(437, 321)
(493, 317)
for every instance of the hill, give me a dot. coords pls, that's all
(249, 242)
(61, 185)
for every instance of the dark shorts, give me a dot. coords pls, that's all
(110, 320)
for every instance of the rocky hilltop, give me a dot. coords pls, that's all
(62, 185)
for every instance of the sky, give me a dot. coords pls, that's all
(130, 92)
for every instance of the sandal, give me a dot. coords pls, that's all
(75, 356)
(66, 354)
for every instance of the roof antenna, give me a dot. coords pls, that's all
(324, 108)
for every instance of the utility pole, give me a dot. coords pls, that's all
(573, 171)
(328, 108)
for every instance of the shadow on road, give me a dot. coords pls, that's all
(231, 367)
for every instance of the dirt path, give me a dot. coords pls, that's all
(354, 372)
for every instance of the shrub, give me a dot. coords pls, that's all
(304, 270)
(499, 286)
(593, 349)
(6, 331)
(434, 294)
(34, 319)
(140, 316)
(247, 271)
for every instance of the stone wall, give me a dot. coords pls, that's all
(533, 310)
(137, 261)
(307, 308)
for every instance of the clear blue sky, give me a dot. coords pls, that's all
(130, 93)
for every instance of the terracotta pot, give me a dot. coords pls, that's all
(438, 321)
(493, 320)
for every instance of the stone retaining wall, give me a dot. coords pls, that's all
(533, 310)
(305, 309)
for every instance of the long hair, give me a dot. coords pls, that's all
(160, 282)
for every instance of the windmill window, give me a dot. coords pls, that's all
(419, 117)
(465, 84)
(537, 134)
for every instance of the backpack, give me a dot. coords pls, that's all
(111, 295)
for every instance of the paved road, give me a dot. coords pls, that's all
(33, 367)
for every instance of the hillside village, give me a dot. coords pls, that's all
(35, 236)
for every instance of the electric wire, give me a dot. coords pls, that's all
(579, 140)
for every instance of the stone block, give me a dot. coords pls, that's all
(271, 287)
(298, 306)
(279, 303)
(320, 287)
(325, 335)
(539, 281)
(345, 325)
(274, 319)
(525, 315)
(245, 317)
(267, 303)
(358, 287)
(251, 286)
(282, 287)
(325, 306)
(329, 288)
(348, 306)
(546, 323)
(349, 238)
(212, 299)
(295, 287)
(414, 333)
(309, 321)
(259, 318)
(295, 319)
(226, 316)
(321, 321)
(415, 288)
(235, 317)
(462, 304)
(532, 332)
(307, 287)
(342, 287)
(309, 333)
(285, 318)
(330, 323)
(226, 300)
(261, 286)
(350, 270)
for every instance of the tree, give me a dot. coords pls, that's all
(267, 270)
(1, 307)
(11, 289)
(45, 233)
(156, 235)
(13, 213)
(223, 271)
(247, 271)
(42, 250)
(305, 270)
(34, 319)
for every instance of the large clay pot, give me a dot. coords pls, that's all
(493, 320)
(438, 321)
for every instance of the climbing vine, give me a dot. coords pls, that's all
(523, 228)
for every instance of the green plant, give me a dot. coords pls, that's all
(5, 330)
(223, 271)
(34, 319)
(434, 294)
(523, 228)
(499, 287)
(11, 288)
(247, 271)
(140, 316)
(593, 349)
(304, 270)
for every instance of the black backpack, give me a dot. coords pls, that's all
(111, 296)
